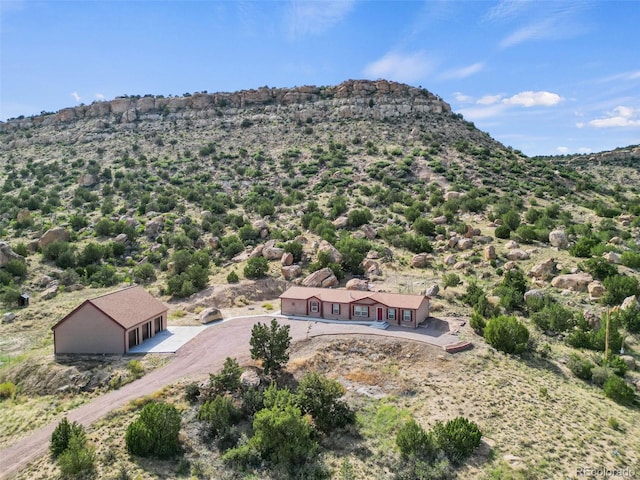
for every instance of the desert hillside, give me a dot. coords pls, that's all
(225, 199)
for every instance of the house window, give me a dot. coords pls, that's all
(391, 314)
(360, 311)
(315, 307)
(335, 309)
(406, 315)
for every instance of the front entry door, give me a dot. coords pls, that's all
(379, 314)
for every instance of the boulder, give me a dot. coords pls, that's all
(461, 265)
(489, 253)
(612, 257)
(272, 253)
(121, 238)
(241, 257)
(596, 290)
(53, 235)
(629, 302)
(453, 242)
(441, 220)
(449, 260)
(334, 255)
(369, 232)
(286, 259)
(558, 239)
(465, 244)
(209, 315)
(44, 280)
(616, 241)
(432, 291)
(214, 242)
(421, 260)
(510, 265)
(321, 278)
(544, 270)
(573, 281)
(594, 320)
(153, 228)
(535, 293)
(257, 251)
(6, 254)
(373, 255)
(8, 317)
(511, 244)
(250, 378)
(87, 180)
(291, 272)
(517, 254)
(451, 195)
(371, 268)
(50, 292)
(341, 222)
(357, 284)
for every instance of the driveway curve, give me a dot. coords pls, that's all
(204, 354)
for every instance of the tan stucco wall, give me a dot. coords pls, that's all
(293, 307)
(423, 312)
(88, 330)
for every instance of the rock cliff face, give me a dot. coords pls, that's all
(352, 99)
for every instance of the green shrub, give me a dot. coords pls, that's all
(256, 267)
(7, 390)
(599, 375)
(458, 438)
(477, 322)
(359, 217)
(599, 268)
(617, 365)
(62, 434)
(16, 268)
(554, 317)
(511, 219)
(228, 380)
(618, 390)
(413, 441)
(630, 259)
(270, 344)
(502, 231)
(629, 318)
(507, 334)
(232, 277)
(295, 249)
(78, 459)
(583, 247)
(192, 392)
(579, 367)
(619, 287)
(155, 432)
(220, 414)
(319, 397)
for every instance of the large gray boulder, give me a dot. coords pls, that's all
(421, 260)
(558, 239)
(209, 315)
(543, 270)
(53, 235)
(6, 254)
(290, 272)
(573, 281)
(334, 255)
(357, 284)
(321, 278)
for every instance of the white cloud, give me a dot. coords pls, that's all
(400, 67)
(563, 150)
(463, 72)
(580, 124)
(482, 113)
(534, 31)
(619, 117)
(585, 150)
(306, 17)
(99, 96)
(76, 97)
(489, 99)
(461, 97)
(506, 9)
(532, 99)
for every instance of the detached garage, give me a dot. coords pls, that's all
(112, 323)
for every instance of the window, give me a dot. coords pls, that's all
(315, 307)
(406, 315)
(391, 314)
(335, 309)
(360, 311)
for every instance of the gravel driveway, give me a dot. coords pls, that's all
(204, 354)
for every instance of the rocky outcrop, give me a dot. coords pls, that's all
(421, 260)
(596, 290)
(369, 232)
(7, 254)
(630, 302)
(286, 259)
(573, 281)
(612, 257)
(291, 272)
(544, 270)
(432, 291)
(517, 254)
(321, 278)
(271, 252)
(53, 235)
(489, 253)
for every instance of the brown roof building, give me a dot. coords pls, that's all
(337, 304)
(111, 323)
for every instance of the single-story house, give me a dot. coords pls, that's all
(111, 323)
(338, 304)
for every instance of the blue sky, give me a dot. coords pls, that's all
(545, 77)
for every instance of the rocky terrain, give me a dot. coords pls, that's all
(222, 200)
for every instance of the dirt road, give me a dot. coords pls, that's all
(204, 354)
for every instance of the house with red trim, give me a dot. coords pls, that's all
(111, 323)
(338, 304)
